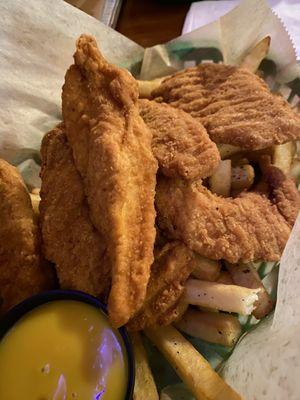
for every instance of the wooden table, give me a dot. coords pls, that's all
(150, 22)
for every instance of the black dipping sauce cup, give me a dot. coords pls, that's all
(17, 312)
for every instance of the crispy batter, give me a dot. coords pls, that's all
(284, 193)
(69, 238)
(22, 271)
(172, 267)
(180, 143)
(235, 105)
(174, 313)
(112, 151)
(248, 227)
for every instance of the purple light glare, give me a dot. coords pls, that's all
(99, 395)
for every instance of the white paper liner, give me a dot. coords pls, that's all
(37, 40)
(233, 34)
(265, 364)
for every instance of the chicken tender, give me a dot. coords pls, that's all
(234, 105)
(283, 192)
(180, 143)
(69, 238)
(246, 228)
(22, 269)
(172, 266)
(112, 152)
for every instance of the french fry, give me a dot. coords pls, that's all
(230, 298)
(238, 160)
(220, 181)
(247, 276)
(255, 56)
(147, 87)
(213, 327)
(227, 150)
(144, 386)
(36, 191)
(242, 177)
(255, 155)
(206, 269)
(192, 368)
(177, 391)
(35, 201)
(207, 309)
(295, 170)
(225, 278)
(283, 155)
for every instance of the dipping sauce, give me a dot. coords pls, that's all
(63, 350)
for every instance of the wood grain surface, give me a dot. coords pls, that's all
(150, 22)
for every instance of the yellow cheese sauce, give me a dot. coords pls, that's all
(63, 350)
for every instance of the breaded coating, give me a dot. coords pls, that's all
(180, 143)
(247, 228)
(235, 105)
(172, 266)
(284, 194)
(69, 238)
(112, 152)
(22, 270)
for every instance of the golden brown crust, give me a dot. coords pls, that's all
(172, 267)
(69, 238)
(180, 143)
(284, 193)
(248, 227)
(235, 105)
(112, 152)
(22, 272)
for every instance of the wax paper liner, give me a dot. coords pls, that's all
(37, 40)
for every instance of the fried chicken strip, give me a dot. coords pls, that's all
(112, 152)
(284, 193)
(22, 269)
(234, 105)
(246, 228)
(69, 238)
(172, 266)
(180, 143)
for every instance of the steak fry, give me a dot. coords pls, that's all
(172, 266)
(246, 228)
(70, 240)
(22, 270)
(112, 152)
(180, 143)
(234, 105)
